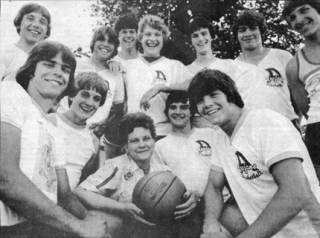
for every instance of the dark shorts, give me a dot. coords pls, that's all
(312, 141)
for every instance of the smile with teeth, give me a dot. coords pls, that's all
(106, 50)
(210, 112)
(86, 109)
(55, 81)
(35, 32)
(152, 44)
(128, 40)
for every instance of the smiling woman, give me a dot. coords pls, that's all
(110, 188)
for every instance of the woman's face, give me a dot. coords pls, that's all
(140, 144)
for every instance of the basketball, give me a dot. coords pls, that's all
(158, 193)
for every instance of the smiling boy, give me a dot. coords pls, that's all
(152, 69)
(35, 194)
(126, 28)
(271, 177)
(268, 85)
(33, 24)
(303, 71)
(83, 146)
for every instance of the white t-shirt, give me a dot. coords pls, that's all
(262, 138)
(115, 94)
(226, 66)
(79, 149)
(189, 157)
(268, 85)
(42, 144)
(142, 76)
(122, 60)
(12, 58)
(117, 178)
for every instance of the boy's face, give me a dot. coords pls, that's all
(216, 108)
(305, 20)
(51, 77)
(33, 27)
(128, 38)
(249, 38)
(179, 114)
(102, 50)
(85, 103)
(152, 42)
(201, 40)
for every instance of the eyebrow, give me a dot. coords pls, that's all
(55, 62)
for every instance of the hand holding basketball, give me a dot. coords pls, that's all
(158, 194)
(192, 198)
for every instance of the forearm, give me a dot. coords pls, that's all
(213, 207)
(94, 201)
(23, 197)
(177, 86)
(278, 213)
(72, 205)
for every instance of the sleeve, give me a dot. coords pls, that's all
(157, 155)
(2, 65)
(119, 90)
(106, 178)
(14, 104)
(276, 137)
(216, 155)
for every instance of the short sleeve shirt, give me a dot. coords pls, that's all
(42, 144)
(117, 178)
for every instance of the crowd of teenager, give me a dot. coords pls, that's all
(77, 134)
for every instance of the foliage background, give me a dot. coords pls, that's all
(178, 13)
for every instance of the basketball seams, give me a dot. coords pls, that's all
(146, 183)
(164, 192)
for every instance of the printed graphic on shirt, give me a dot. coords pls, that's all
(160, 78)
(247, 170)
(128, 175)
(313, 85)
(274, 79)
(204, 149)
(45, 175)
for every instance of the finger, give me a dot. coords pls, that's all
(140, 219)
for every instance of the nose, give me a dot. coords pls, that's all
(207, 102)
(142, 144)
(89, 101)
(57, 71)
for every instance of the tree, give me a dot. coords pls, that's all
(178, 13)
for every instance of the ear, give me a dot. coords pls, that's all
(126, 148)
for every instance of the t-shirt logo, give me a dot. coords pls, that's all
(313, 85)
(160, 78)
(204, 149)
(247, 170)
(274, 79)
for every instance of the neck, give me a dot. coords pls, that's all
(229, 127)
(24, 45)
(253, 56)
(185, 131)
(144, 165)
(313, 41)
(205, 58)
(99, 64)
(131, 53)
(44, 103)
(71, 116)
